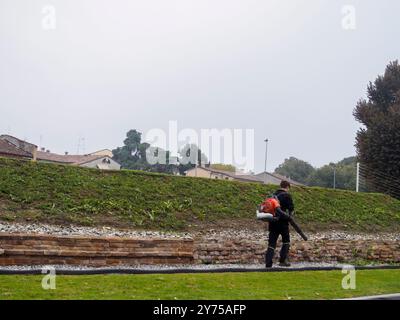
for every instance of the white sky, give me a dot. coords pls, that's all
(110, 66)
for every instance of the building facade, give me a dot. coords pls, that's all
(264, 177)
(102, 162)
(12, 147)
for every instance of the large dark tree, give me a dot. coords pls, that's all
(378, 141)
(133, 155)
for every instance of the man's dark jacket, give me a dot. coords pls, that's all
(286, 202)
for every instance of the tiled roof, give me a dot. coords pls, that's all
(248, 177)
(90, 157)
(279, 177)
(8, 148)
(67, 159)
(251, 178)
(19, 141)
(241, 177)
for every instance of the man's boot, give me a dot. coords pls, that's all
(269, 256)
(283, 261)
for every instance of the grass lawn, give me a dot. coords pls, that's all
(273, 285)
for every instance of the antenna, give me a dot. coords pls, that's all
(79, 145)
(83, 145)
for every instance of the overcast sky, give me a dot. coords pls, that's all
(285, 68)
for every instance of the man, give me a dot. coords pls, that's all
(280, 227)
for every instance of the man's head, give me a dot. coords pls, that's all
(285, 185)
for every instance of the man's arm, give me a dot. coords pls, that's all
(286, 201)
(290, 204)
(282, 215)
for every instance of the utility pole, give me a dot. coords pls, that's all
(196, 163)
(358, 178)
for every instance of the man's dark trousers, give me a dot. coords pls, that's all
(275, 230)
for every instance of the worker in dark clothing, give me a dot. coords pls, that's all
(280, 227)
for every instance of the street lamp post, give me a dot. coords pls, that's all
(334, 177)
(266, 155)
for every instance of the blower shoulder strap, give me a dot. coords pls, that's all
(279, 194)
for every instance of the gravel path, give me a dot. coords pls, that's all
(211, 234)
(168, 267)
(326, 235)
(86, 231)
(183, 268)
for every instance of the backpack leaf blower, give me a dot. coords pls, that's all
(270, 210)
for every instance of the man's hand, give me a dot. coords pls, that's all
(282, 214)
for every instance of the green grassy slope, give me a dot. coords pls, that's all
(241, 286)
(54, 193)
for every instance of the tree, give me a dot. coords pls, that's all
(322, 177)
(345, 175)
(133, 155)
(299, 170)
(166, 165)
(378, 141)
(346, 172)
(190, 156)
(296, 169)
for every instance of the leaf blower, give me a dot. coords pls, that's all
(270, 210)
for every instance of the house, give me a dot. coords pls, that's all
(275, 178)
(100, 161)
(266, 178)
(104, 152)
(203, 172)
(13, 147)
(206, 172)
(9, 150)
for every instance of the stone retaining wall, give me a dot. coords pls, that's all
(219, 251)
(29, 249)
(25, 249)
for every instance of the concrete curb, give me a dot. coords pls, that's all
(394, 296)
